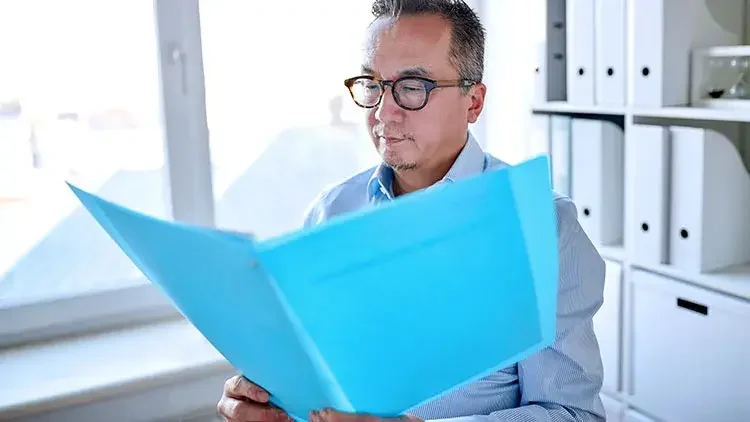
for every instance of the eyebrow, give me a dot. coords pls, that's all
(410, 71)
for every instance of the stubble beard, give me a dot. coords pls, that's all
(395, 162)
(401, 166)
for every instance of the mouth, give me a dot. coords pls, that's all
(387, 140)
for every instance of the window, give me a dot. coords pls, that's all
(83, 108)
(282, 124)
(80, 101)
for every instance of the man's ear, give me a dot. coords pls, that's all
(476, 95)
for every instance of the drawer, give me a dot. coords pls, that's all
(607, 327)
(615, 409)
(689, 351)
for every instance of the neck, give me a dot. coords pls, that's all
(421, 177)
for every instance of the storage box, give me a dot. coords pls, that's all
(689, 351)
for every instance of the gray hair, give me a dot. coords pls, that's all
(467, 34)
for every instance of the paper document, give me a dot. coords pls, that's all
(377, 311)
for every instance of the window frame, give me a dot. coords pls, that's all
(189, 192)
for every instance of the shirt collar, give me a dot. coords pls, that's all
(470, 161)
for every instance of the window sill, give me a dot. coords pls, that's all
(45, 377)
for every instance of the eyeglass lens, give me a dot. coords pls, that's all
(408, 93)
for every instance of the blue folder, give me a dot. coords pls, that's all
(377, 311)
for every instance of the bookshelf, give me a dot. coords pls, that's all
(680, 272)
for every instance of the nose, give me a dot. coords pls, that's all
(388, 110)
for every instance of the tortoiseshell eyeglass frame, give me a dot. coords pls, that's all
(429, 85)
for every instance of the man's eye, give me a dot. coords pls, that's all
(411, 87)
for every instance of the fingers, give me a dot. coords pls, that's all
(240, 388)
(329, 415)
(236, 410)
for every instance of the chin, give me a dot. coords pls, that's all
(395, 158)
(398, 163)
(403, 166)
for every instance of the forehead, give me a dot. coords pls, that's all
(410, 42)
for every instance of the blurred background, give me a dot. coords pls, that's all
(233, 114)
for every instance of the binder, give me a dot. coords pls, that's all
(550, 79)
(660, 56)
(580, 48)
(709, 219)
(608, 328)
(609, 27)
(340, 316)
(560, 153)
(540, 135)
(597, 181)
(650, 156)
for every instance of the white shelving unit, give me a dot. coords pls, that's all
(674, 337)
(666, 113)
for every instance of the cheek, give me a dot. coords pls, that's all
(370, 117)
(427, 123)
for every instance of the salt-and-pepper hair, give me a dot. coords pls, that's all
(467, 34)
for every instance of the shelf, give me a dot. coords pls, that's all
(734, 281)
(670, 113)
(726, 51)
(563, 107)
(694, 113)
(613, 253)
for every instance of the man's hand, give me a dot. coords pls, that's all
(328, 415)
(243, 401)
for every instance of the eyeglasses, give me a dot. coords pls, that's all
(409, 92)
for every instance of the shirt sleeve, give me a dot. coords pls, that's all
(316, 211)
(562, 382)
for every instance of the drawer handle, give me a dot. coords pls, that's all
(692, 306)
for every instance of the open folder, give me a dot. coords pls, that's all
(377, 311)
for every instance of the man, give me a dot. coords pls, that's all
(421, 87)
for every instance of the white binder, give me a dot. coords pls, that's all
(609, 27)
(710, 207)
(560, 153)
(649, 154)
(660, 56)
(540, 72)
(580, 47)
(540, 133)
(549, 79)
(607, 326)
(597, 180)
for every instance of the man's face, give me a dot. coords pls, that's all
(418, 46)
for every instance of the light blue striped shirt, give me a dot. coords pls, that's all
(559, 383)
